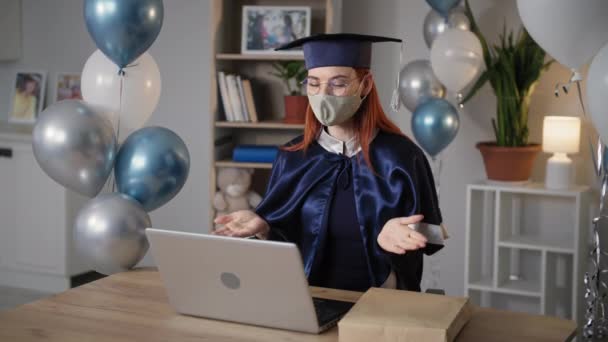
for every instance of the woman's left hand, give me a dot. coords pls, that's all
(397, 237)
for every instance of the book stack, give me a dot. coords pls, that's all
(237, 98)
(255, 153)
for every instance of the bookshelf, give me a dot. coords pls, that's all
(526, 248)
(225, 28)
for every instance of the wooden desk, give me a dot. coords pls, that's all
(133, 306)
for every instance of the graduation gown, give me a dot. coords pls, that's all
(298, 196)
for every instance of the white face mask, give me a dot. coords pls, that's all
(333, 110)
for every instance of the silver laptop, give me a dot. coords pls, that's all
(241, 280)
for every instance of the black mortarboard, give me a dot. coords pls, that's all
(337, 49)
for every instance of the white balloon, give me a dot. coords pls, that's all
(141, 86)
(570, 31)
(456, 58)
(597, 89)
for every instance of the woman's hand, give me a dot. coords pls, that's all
(397, 237)
(241, 223)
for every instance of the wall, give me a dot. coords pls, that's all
(462, 163)
(55, 39)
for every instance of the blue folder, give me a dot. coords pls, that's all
(255, 153)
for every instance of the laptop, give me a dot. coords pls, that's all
(247, 281)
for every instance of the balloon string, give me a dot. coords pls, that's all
(118, 123)
(437, 166)
(597, 151)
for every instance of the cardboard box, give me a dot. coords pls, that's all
(395, 315)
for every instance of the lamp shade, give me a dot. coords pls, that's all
(561, 134)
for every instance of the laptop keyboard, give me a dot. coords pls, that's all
(330, 311)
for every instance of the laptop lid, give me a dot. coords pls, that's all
(242, 280)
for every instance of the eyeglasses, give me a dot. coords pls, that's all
(335, 86)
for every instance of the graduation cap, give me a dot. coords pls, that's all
(337, 49)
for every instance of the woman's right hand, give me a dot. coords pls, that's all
(241, 223)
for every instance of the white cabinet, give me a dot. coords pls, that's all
(526, 248)
(36, 217)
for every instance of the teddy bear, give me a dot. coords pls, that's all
(234, 193)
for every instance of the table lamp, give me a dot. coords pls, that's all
(561, 135)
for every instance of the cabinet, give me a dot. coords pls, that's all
(270, 130)
(526, 248)
(36, 220)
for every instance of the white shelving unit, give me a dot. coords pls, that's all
(526, 248)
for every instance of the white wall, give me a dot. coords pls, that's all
(55, 39)
(462, 163)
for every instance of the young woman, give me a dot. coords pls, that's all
(349, 190)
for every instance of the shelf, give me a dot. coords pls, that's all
(521, 287)
(506, 301)
(548, 242)
(484, 284)
(230, 163)
(257, 57)
(513, 287)
(259, 125)
(532, 188)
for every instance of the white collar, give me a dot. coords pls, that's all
(334, 145)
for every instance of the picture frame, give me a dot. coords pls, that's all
(67, 86)
(266, 27)
(27, 96)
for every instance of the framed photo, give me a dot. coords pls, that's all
(266, 27)
(67, 86)
(27, 96)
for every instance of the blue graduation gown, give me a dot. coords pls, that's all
(298, 196)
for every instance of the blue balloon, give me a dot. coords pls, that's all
(435, 124)
(152, 166)
(443, 6)
(123, 29)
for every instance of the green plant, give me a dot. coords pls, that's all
(292, 73)
(513, 69)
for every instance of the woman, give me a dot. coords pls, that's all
(348, 190)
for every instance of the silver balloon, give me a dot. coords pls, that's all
(435, 24)
(75, 146)
(417, 83)
(109, 232)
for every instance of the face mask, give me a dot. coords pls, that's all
(333, 110)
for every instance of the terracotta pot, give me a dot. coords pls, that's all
(295, 109)
(508, 164)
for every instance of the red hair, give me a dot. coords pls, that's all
(369, 117)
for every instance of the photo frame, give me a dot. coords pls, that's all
(27, 96)
(265, 28)
(67, 86)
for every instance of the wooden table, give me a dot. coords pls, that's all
(133, 306)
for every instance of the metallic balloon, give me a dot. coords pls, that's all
(435, 124)
(109, 233)
(123, 29)
(435, 24)
(417, 83)
(443, 6)
(152, 166)
(75, 146)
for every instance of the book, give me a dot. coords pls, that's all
(253, 114)
(255, 153)
(395, 315)
(233, 94)
(239, 83)
(221, 79)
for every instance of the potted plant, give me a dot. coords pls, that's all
(292, 73)
(513, 69)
